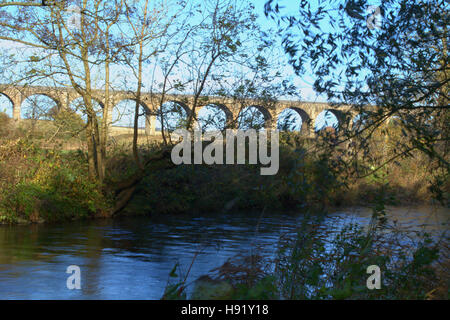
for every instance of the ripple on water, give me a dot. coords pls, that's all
(131, 258)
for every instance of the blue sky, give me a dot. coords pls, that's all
(304, 84)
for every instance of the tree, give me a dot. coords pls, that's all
(74, 44)
(204, 48)
(388, 62)
(148, 34)
(217, 51)
(66, 54)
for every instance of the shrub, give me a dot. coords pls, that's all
(6, 125)
(68, 123)
(53, 186)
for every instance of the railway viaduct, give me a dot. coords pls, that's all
(63, 98)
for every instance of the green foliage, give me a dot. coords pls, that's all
(174, 292)
(53, 186)
(314, 267)
(212, 290)
(396, 70)
(302, 181)
(311, 180)
(68, 122)
(327, 260)
(5, 124)
(264, 289)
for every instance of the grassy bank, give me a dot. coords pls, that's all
(42, 181)
(45, 185)
(43, 178)
(306, 180)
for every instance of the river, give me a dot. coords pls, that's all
(131, 258)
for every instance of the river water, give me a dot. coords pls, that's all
(131, 258)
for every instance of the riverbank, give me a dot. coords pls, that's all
(40, 184)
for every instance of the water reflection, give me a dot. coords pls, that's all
(131, 258)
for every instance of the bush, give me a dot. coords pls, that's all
(6, 125)
(314, 267)
(68, 123)
(301, 181)
(52, 186)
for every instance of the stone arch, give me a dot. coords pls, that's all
(182, 104)
(337, 114)
(29, 96)
(4, 94)
(268, 118)
(42, 93)
(72, 98)
(170, 117)
(146, 109)
(306, 119)
(78, 97)
(228, 114)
